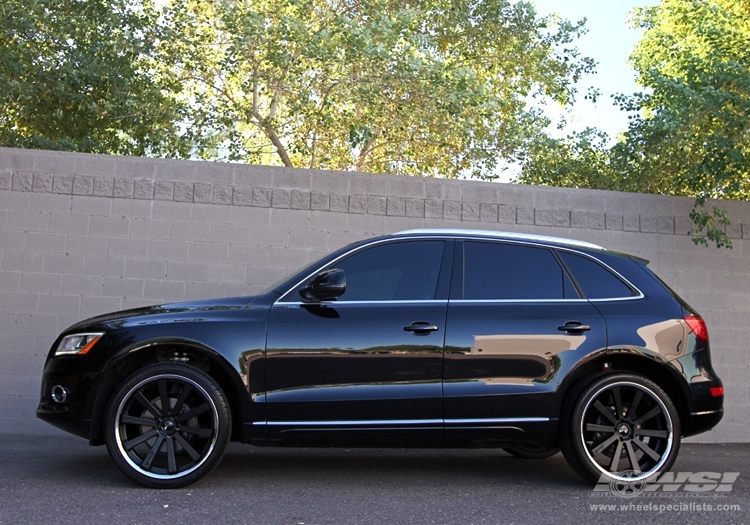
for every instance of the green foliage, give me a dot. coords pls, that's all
(694, 123)
(84, 75)
(712, 223)
(579, 161)
(689, 133)
(427, 87)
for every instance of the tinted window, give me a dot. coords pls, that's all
(595, 280)
(393, 271)
(508, 271)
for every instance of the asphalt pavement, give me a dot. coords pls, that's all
(61, 480)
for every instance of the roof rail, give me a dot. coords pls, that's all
(502, 235)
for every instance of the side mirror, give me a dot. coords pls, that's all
(328, 284)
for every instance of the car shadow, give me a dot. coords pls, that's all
(341, 465)
(73, 461)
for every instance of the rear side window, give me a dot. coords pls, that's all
(595, 280)
(508, 271)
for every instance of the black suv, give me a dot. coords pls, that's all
(423, 338)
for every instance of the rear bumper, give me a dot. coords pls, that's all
(704, 410)
(704, 421)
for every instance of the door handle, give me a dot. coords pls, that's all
(574, 327)
(420, 327)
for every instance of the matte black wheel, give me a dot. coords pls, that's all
(531, 451)
(622, 426)
(167, 426)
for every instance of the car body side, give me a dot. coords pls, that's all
(228, 339)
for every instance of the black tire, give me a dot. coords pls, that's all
(623, 416)
(167, 448)
(531, 451)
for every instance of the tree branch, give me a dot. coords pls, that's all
(313, 150)
(274, 138)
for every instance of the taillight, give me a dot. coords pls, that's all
(717, 391)
(698, 326)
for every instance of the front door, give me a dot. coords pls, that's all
(370, 361)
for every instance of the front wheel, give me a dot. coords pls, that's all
(621, 427)
(167, 425)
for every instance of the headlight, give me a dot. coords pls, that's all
(77, 344)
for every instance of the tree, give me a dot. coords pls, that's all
(427, 87)
(85, 75)
(689, 132)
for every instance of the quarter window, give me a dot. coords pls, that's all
(595, 280)
(508, 271)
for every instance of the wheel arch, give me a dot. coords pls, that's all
(180, 351)
(650, 367)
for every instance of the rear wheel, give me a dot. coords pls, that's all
(167, 425)
(621, 427)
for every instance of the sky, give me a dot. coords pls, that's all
(609, 42)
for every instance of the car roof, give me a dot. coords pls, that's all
(513, 236)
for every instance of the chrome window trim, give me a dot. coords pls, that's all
(339, 423)
(437, 302)
(516, 301)
(611, 299)
(480, 235)
(440, 302)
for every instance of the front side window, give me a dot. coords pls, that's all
(396, 271)
(513, 272)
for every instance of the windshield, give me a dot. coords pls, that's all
(301, 272)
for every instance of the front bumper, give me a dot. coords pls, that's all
(77, 375)
(72, 414)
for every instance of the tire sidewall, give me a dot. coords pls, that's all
(573, 447)
(209, 387)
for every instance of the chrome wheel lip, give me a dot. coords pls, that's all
(670, 429)
(126, 398)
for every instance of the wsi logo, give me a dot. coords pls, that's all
(625, 488)
(626, 485)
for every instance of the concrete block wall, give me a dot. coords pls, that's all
(86, 234)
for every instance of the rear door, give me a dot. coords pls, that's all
(516, 324)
